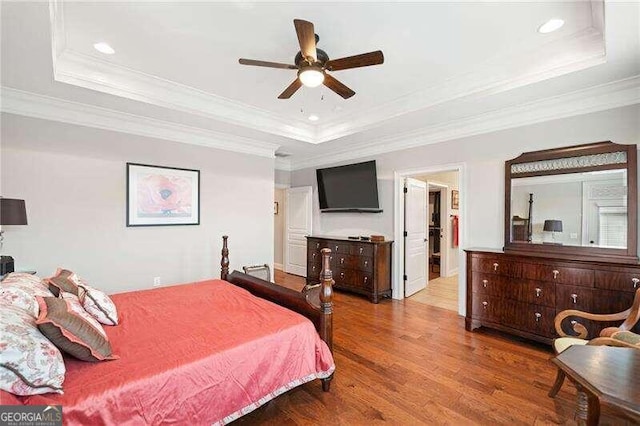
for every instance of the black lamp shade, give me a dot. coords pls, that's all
(12, 212)
(553, 225)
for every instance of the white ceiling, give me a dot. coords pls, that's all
(450, 69)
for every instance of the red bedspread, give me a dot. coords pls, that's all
(192, 354)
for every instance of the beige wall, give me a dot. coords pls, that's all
(73, 180)
(278, 228)
(484, 158)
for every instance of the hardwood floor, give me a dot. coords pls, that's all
(406, 363)
(441, 292)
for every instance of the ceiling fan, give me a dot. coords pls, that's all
(313, 63)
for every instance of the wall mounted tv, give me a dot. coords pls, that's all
(351, 188)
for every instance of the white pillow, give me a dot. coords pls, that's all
(98, 304)
(29, 363)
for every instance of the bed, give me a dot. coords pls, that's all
(201, 353)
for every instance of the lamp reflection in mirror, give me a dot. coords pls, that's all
(553, 226)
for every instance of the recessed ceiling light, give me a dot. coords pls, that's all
(103, 47)
(314, 117)
(550, 26)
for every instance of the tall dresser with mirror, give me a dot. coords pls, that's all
(570, 242)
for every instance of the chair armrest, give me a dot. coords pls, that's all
(608, 341)
(581, 331)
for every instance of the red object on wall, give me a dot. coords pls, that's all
(454, 228)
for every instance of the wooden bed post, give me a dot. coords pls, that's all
(326, 306)
(224, 272)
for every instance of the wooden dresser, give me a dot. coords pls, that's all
(522, 294)
(358, 266)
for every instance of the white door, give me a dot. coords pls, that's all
(298, 216)
(415, 240)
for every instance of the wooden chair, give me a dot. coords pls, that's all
(612, 336)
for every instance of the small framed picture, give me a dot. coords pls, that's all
(455, 199)
(275, 207)
(162, 196)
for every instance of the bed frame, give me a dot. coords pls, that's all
(313, 304)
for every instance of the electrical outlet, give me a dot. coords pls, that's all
(156, 281)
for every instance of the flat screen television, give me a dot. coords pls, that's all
(351, 188)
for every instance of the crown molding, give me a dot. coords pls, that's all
(573, 53)
(616, 94)
(498, 74)
(30, 104)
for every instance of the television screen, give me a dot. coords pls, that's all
(349, 188)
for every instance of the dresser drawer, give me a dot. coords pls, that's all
(559, 274)
(313, 244)
(362, 249)
(344, 261)
(313, 271)
(487, 284)
(364, 263)
(363, 280)
(343, 277)
(531, 318)
(618, 281)
(495, 266)
(339, 248)
(486, 307)
(534, 292)
(574, 297)
(314, 256)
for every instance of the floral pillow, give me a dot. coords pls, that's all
(29, 363)
(98, 304)
(27, 282)
(19, 298)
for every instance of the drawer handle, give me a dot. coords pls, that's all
(635, 282)
(538, 292)
(484, 304)
(575, 298)
(574, 322)
(331, 258)
(314, 255)
(495, 266)
(317, 245)
(366, 279)
(538, 316)
(342, 275)
(336, 249)
(361, 250)
(555, 273)
(342, 260)
(484, 283)
(366, 262)
(313, 268)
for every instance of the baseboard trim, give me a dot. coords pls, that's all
(278, 266)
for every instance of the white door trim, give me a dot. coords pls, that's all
(398, 227)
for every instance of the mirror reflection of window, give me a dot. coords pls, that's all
(612, 227)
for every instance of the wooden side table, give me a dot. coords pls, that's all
(604, 376)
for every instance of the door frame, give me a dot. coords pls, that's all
(284, 230)
(397, 282)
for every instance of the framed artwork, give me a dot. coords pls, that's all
(162, 196)
(275, 207)
(455, 199)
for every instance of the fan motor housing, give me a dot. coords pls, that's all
(320, 54)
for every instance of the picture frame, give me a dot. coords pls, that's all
(275, 207)
(162, 196)
(455, 199)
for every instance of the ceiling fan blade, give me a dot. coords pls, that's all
(267, 64)
(289, 91)
(306, 38)
(338, 87)
(363, 60)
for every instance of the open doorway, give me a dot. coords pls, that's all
(434, 280)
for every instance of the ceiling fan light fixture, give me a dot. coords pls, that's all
(311, 76)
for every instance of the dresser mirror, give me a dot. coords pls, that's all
(576, 202)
